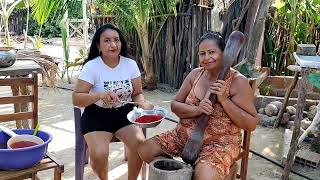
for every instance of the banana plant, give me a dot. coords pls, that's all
(66, 50)
(145, 17)
(5, 12)
(294, 22)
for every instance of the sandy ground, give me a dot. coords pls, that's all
(56, 117)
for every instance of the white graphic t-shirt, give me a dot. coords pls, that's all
(106, 79)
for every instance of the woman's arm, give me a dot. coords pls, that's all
(240, 108)
(178, 105)
(81, 96)
(137, 94)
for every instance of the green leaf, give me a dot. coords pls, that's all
(317, 18)
(278, 4)
(314, 79)
(242, 68)
(21, 5)
(24, 4)
(12, 6)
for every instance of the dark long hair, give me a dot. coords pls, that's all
(216, 36)
(94, 51)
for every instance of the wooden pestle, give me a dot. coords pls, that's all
(195, 141)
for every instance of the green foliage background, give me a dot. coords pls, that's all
(51, 28)
(290, 22)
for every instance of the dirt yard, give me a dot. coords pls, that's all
(56, 117)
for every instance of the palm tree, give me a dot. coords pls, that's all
(42, 9)
(5, 12)
(143, 16)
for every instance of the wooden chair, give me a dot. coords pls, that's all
(48, 162)
(244, 155)
(17, 83)
(81, 156)
(245, 147)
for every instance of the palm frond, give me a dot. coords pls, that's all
(142, 16)
(141, 7)
(124, 14)
(42, 9)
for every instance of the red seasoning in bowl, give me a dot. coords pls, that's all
(22, 144)
(148, 118)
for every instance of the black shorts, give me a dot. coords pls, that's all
(96, 118)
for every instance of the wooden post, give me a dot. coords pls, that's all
(255, 34)
(194, 38)
(21, 107)
(297, 124)
(286, 99)
(170, 50)
(24, 106)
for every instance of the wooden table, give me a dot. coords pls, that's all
(47, 163)
(20, 68)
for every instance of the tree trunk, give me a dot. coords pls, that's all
(150, 79)
(251, 16)
(254, 38)
(256, 33)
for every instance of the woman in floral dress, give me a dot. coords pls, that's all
(233, 111)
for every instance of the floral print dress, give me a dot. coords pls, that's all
(222, 138)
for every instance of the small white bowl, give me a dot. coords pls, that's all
(24, 137)
(133, 115)
(20, 137)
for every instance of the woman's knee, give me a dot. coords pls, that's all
(148, 150)
(204, 171)
(99, 155)
(132, 136)
(138, 141)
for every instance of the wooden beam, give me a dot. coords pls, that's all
(16, 116)
(297, 124)
(14, 81)
(16, 99)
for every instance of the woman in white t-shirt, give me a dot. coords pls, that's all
(108, 77)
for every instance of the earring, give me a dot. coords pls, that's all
(100, 53)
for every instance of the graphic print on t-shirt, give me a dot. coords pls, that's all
(121, 88)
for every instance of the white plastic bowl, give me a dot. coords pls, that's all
(133, 115)
(21, 137)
